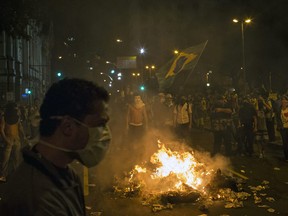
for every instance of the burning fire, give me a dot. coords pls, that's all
(172, 171)
(172, 177)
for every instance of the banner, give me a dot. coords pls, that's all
(126, 62)
(185, 60)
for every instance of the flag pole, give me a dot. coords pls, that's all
(195, 65)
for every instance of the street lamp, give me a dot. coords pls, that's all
(150, 68)
(115, 66)
(108, 62)
(110, 78)
(136, 75)
(142, 51)
(247, 21)
(208, 78)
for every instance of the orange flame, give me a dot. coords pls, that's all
(180, 168)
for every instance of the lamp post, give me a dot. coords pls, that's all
(208, 78)
(150, 68)
(136, 75)
(108, 62)
(108, 76)
(243, 44)
(141, 52)
(114, 68)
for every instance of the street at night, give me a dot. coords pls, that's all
(143, 107)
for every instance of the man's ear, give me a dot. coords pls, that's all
(67, 126)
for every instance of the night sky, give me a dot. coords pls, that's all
(164, 25)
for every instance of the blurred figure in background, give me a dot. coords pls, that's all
(221, 122)
(2, 144)
(270, 119)
(11, 132)
(24, 119)
(182, 118)
(261, 134)
(247, 127)
(136, 121)
(159, 109)
(34, 118)
(169, 108)
(282, 124)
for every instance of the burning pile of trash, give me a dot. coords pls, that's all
(172, 177)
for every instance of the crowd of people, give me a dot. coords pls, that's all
(241, 125)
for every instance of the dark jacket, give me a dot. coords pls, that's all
(37, 187)
(247, 113)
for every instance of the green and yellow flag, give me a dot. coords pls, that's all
(185, 60)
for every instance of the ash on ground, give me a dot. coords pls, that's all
(222, 187)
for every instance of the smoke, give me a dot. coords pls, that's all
(120, 160)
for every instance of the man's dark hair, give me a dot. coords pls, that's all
(71, 96)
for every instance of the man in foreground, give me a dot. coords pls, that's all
(73, 126)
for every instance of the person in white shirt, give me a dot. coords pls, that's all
(182, 118)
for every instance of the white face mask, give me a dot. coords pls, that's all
(96, 148)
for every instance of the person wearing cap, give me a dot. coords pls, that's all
(282, 124)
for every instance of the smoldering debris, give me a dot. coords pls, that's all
(224, 188)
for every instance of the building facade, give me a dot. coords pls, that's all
(25, 65)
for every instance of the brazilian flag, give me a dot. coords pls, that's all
(185, 60)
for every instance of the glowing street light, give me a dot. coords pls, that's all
(108, 76)
(150, 68)
(207, 78)
(176, 52)
(111, 79)
(142, 51)
(247, 21)
(136, 74)
(119, 40)
(108, 62)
